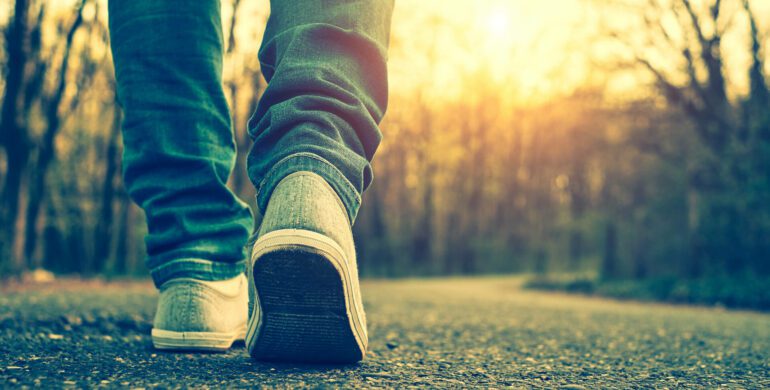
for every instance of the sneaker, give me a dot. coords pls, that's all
(307, 305)
(195, 315)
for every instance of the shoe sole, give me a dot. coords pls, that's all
(195, 341)
(305, 309)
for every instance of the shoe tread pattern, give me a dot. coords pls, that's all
(304, 316)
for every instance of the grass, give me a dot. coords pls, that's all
(741, 291)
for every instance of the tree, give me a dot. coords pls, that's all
(45, 149)
(722, 164)
(13, 136)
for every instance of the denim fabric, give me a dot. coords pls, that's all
(178, 143)
(325, 63)
(327, 91)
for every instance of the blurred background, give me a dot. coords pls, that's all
(619, 147)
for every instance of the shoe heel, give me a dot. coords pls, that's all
(304, 317)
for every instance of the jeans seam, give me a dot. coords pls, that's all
(165, 271)
(193, 261)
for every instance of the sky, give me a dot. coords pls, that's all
(532, 49)
(517, 43)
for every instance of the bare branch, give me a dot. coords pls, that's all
(233, 22)
(759, 90)
(696, 25)
(715, 8)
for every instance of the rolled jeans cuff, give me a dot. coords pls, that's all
(196, 269)
(313, 163)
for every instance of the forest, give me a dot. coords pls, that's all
(619, 140)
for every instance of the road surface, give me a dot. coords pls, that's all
(454, 333)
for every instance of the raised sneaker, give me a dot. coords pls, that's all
(307, 305)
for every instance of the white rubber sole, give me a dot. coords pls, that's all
(196, 341)
(305, 309)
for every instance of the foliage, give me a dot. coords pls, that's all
(745, 291)
(666, 182)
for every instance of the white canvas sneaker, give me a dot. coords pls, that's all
(308, 304)
(195, 315)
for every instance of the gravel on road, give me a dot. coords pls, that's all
(448, 333)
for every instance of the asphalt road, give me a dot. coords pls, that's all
(483, 332)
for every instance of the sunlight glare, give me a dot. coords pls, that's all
(498, 24)
(517, 45)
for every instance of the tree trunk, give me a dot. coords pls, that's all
(578, 205)
(46, 152)
(423, 232)
(16, 164)
(103, 230)
(122, 264)
(693, 261)
(12, 136)
(510, 214)
(610, 258)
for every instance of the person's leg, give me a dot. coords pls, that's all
(325, 63)
(315, 132)
(178, 146)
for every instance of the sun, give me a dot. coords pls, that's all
(498, 24)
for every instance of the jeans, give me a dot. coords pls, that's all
(325, 63)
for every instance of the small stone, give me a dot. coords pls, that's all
(392, 344)
(88, 319)
(54, 336)
(71, 320)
